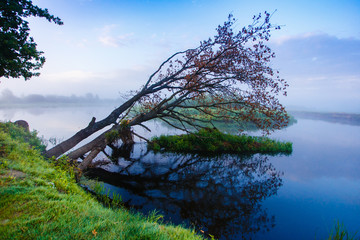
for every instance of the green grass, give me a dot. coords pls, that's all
(41, 200)
(19, 134)
(214, 141)
(340, 233)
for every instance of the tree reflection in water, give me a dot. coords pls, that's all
(220, 195)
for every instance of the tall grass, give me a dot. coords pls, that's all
(340, 233)
(41, 201)
(20, 134)
(214, 141)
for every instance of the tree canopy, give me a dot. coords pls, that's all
(19, 56)
(226, 77)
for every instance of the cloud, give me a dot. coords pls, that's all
(319, 53)
(288, 38)
(322, 70)
(109, 38)
(72, 76)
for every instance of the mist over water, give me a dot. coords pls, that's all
(287, 197)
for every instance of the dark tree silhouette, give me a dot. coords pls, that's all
(19, 56)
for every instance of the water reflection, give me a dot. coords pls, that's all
(220, 195)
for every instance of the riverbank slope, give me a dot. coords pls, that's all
(41, 201)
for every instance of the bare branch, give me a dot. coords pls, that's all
(140, 137)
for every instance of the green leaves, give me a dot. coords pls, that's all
(19, 56)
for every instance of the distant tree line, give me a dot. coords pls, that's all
(8, 98)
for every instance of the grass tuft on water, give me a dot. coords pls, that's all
(340, 233)
(39, 200)
(213, 141)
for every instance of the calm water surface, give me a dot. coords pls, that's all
(300, 196)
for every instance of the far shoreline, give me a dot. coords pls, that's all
(333, 117)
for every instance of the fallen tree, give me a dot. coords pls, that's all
(226, 77)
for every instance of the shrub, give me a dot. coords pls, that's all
(19, 133)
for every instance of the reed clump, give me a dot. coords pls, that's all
(213, 141)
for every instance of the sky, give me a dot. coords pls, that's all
(109, 47)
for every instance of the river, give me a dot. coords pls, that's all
(300, 196)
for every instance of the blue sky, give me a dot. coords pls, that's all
(108, 47)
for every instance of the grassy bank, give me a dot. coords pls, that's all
(39, 200)
(214, 141)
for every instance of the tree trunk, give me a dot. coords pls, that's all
(83, 165)
(124, 132)
(126, 136)
(93, 127)
(99, 142)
